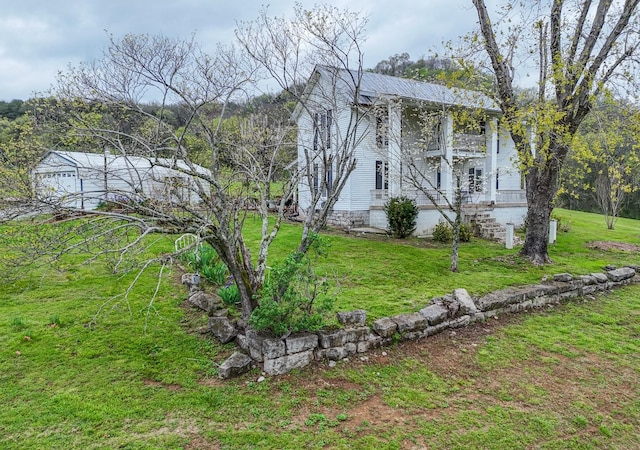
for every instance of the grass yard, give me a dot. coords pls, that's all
(140, 375)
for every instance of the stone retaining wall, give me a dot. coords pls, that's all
(455, 310)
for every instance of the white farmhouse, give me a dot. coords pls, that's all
(86, 180)
(392, 124)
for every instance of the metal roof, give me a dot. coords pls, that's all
(98, 160)
(377, 86)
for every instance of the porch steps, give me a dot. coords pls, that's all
(484, 226)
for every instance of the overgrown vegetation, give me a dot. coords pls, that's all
(295, 298)
(207, 263)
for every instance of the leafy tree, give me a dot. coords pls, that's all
(395, 66)
(13, 109)
(20, 150)
(434, 69)
(581, 47)
(605, 157)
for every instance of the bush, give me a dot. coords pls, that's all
(401, 215)
(465, 233)
(563, 226)
(294, 298)
(442, 232)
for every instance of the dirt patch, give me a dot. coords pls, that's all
(613, 246)
(169, 387)
(200, 443)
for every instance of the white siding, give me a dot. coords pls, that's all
(79, 181)
(507, 161)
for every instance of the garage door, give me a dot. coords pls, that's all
(61, 185)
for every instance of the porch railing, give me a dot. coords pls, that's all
(380, 196)
(512, 196)
(469, 143)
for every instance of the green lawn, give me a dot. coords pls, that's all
(140, 376)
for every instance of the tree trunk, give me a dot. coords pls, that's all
(247, 296)
(456, 226)
(541, 190)
(243, 278)
(454, 247)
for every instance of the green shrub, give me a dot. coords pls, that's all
(563, 226)
(465, 233)
(401, 215)
(203, 256)
(294, 298)
(442, 232)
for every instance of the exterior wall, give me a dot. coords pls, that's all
(57, 179)
(509, 214)
(506, 160)
(355, 195)
(428, 218)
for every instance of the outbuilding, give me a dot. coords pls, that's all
(87, 180)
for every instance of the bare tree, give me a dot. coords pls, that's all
(332, 38)
(212, 199)
(582, 47)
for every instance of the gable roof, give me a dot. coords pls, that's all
(375, 86)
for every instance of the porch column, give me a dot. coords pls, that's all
(446, 161)
(491, 166)
(394, 149)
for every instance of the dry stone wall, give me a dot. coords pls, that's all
(455, 310)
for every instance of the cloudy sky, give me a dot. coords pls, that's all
(39, 38)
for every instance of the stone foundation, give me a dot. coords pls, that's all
(345, 219)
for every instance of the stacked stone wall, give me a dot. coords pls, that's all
(455, 310)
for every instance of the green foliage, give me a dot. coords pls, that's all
(601, 169)
(401, 215)
(465, 233)
(442, 232)
(435, 69)
(21, 147)
(229, 294)
(13, 109)
(206, 261)
(294, 298)
(563, 225)
(215, 273)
